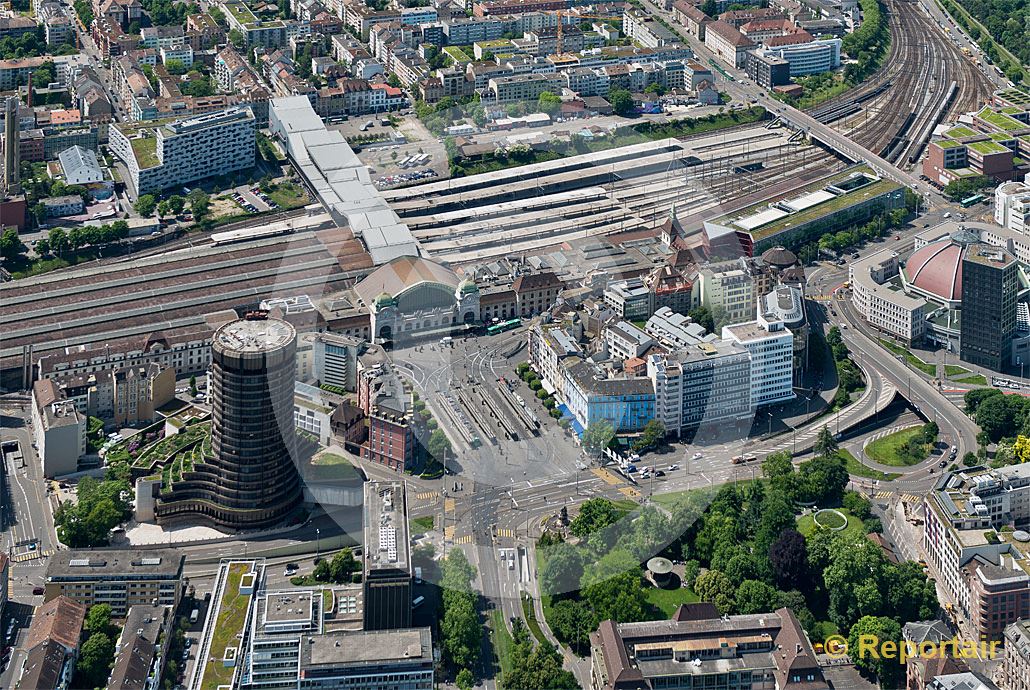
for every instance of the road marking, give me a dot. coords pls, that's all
(607, 476)
(884, 494)
(448, 532)
(505, 532)
(465, 539)
(911, 498)
(427, 495)
(629, 491)
(31, 555)
(448, 505)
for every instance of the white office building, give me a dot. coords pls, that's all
(59, 430)
(816, 56)
(878, 296)
(182, 151)
(624, 340)
(1012, 206)
(335, 360)
(771, 346)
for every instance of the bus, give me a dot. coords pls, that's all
(970, 201)
(503, 326)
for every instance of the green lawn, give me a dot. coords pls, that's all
(806, 525)
(531, 622)
(422, 524)
(891, 449)
(859, 469)
(327, 466)
(668, 600)
(928, 369)
(232, 614)
(952, 370)
(502, 641)
(975, 380)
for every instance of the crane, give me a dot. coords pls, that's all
(565, 13)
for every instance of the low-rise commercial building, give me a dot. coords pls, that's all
(697, 648)
(120, 578)
(630, 299)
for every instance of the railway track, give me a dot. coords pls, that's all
(924, 80)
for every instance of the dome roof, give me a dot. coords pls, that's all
(384, 299)
(468, 286)
(936, 269)
(779, 257)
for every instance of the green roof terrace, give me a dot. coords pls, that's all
(987, 148)
(145, 150)
(960, 132)
(233, 611)
(1015, 96)
(1000, 120)
(948, 143)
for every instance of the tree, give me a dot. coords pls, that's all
(779, 470)
(199, 202)
(342, 566)
(620, 598)
(98, 619)
(42, 246)
(10, 245)
(572, 622)
(755, 596)
(323, 572)
(176, 203)
(975, 397)
(621, 101)
(713, 586)
(930, 432)
(595, 514)
(788, 557)
(464, 679)
(710, 8)
(777, 515)
(597, 436)
(561, 570)
(549, 103)
(59, 242)
(853, 579)
(881, 629)
(438, 446)
(193, 385)
(175, 67)
(532, 667)
(825, 444)
(145, 205)
(970, 460)
(237, 39)
(95, 659)
(653, 435)
(99, 507)
(822, 479)
(702, 316)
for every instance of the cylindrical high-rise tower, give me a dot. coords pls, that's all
(12, 174)
(250, 480)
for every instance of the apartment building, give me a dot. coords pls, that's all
(53, 645)
(122, 396)
(643, 29)
(387, 403)
(59, 430)
(162, 37)
(521, 87)
(463, 31)
(257, 33)
(985, 569)
(536, 292)
(626, 341)
(120, 578)
(1015, 668)
(993, 144)
(771, 345)
(177, 152)
(16, 72)
(141, 650)
(691, 16)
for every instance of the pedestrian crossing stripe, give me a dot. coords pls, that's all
(448, 532)
(31, 555)
(884, 494)
(629, 491)
(506, 532)
(448, 505)
(911, 498)
(464, 539)
(427, 495)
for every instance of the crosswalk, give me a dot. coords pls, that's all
(505, 532)
(427, 495)
(464, 539)
(31, 555)
(629, 492)
(908, 498)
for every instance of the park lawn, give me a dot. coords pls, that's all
(855, 528)
(889, 450)
(676, 499)
(859, 469)
(975, 380)
(928, 369)
(232, 615)
(422, 524)
(668, 600)
(502, 641)
(952, 370)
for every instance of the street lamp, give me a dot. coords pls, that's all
(318, 543)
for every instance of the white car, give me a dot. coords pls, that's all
(698, 455)
(673, 468)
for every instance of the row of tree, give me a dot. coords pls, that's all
(849, 378)
(96, 656)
